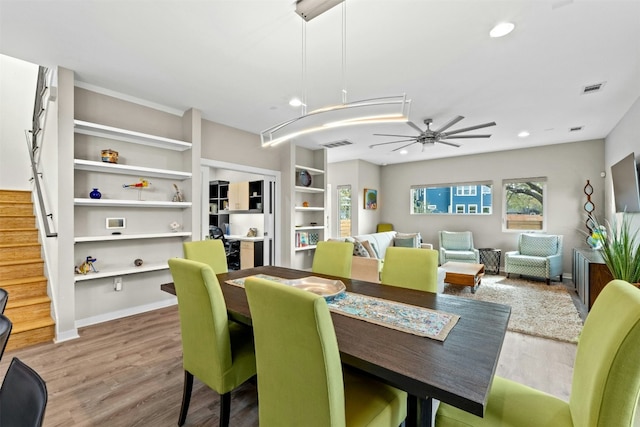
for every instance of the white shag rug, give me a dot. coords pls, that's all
(536, 308)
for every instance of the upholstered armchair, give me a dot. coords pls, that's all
(458, 246)
(538, 255)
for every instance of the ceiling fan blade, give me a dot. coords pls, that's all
(467, 136)
(485, 125)
(392, 142)
(449, 124)
(449, 143)
(413, 125)
(399, 136)
(404, 146)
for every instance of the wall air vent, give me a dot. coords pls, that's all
(593, 88)
(337, 143)
(575, 129)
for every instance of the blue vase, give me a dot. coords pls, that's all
(95, 194)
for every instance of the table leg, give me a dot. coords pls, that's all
(419, 411)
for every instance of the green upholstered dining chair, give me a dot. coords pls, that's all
(412, 268)
(300, 376)
(606, 376)
(384, 226)
(210, 252)
(333, 258)
(217, 351)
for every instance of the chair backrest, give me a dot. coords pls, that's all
(297, 358)
(542, 245)
(5, 331)
(456, 240)
(210, 252)
(23, 396)
(411, 268)
(606, 374)
(206, 345)
(384, 227)
(4, 297)
(333, 258)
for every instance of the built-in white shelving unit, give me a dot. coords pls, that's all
(130, 136)
(112, 237)
(130, 203)
(93, 166)
(101, 274)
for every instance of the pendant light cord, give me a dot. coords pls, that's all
(304, 67)
(344, 52)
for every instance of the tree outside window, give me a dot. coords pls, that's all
(524, 204)
(344, 210)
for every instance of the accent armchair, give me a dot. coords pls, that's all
(606, 376)
(457, 246)
(538, 255)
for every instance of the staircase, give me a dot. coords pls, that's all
(22, 272)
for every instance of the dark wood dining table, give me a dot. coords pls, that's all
(458, 371)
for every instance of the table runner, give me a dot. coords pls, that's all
(407, 318)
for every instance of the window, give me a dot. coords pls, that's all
(524, 202)
(344, 210)
(473, 198)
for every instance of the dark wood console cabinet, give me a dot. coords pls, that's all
(590, 274)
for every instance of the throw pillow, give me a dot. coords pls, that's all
(368, 247)
(375, 249)
(415, 236)
(404, 243)
(358, 248)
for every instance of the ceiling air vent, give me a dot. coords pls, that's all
(337, 143)
(592, 88)
(575, 129)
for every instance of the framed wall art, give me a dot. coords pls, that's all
(370, 198)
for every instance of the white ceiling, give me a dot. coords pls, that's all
(240, 61)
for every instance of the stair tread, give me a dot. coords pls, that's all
(21, 261)
(18, 245)
(32, 324)
(18, 229)
(22, 281)
(23, 302)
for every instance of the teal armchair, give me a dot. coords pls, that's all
(538, 255)
(457, 246)
(606, 376)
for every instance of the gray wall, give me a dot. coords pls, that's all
(566, 166)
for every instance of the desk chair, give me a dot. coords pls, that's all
(412, 268)
(23, 396)
(4, 297)
(232, 249)
(606, 376)
(217, 351)
(300, 377)
(210, 252)
(333, 258)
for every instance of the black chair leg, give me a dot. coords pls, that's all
(225, 409)
(186, 397)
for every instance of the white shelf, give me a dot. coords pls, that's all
(92, 166)
(131, 203)
(310, 227)
(301, 189)
(305, 248)
(144, 268)
(94, 129)
(310, 209)
(312, 171)
(111, 237)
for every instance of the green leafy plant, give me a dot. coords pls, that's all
(620, 252)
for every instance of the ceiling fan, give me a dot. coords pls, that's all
(429, 136)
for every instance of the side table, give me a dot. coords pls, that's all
(490, 257)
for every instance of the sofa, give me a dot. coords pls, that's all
(366, 267)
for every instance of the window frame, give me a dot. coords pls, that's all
(340, 205)
(426, 205)
(543, 183)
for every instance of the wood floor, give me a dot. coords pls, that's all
(128, 372)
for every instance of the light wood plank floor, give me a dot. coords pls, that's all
(128, 372)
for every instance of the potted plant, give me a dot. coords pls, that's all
(621, 253)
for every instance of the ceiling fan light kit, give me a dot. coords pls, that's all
(430, 137)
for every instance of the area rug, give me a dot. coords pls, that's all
(536, 309)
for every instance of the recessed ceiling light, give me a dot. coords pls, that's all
(524, 134)
(403, 152)
(502, 29)
(295, 102)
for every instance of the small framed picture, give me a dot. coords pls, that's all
(370, 198)
(112, 223)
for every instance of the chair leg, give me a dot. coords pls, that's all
(225, 409)
(186, 397)
(548, 281)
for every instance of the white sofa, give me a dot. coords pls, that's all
(369, 268)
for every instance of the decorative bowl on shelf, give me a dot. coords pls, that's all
(109, 156)
(303, 178)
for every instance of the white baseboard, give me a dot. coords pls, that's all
(69, 335)
(93, 320)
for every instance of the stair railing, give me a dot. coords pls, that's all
(34, 135)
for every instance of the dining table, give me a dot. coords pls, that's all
(458, 370)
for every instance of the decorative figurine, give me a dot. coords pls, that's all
(137, 262)
(143, 183)
(87, 266)
(109, 156)
(95, 194)
(178, 196)
(174, 226)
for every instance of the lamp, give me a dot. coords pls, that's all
(366, 111)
